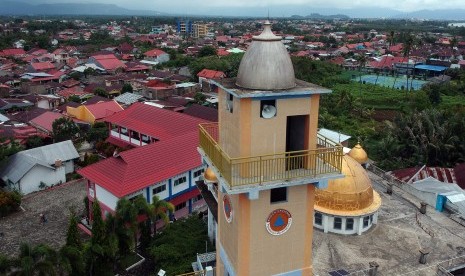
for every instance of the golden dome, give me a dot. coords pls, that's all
(210, 176)
(349, 196)
(359, 154)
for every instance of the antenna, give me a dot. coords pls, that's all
(268, 14)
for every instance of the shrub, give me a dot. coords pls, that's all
(9, 202)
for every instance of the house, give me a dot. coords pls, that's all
(108, 62)
(36, 67)
(156, 55)
(29, 170)
(6, 104)
(142, 124)
(44, 122)
(167, 169)
(94, 112)
(206, 75)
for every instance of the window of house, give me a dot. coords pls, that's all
(366, 221)
(278, 195)
(159, 189)
(198, 173)
(124, 131)
(197, 198)
(318, 219)
(350, 224)
(371, 219)
(180, 181)
(180, 206)
(337, 223)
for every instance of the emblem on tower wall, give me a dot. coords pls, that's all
(278, 222)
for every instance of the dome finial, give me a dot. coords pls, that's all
(358, 153)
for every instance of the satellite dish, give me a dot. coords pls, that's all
(268, 111)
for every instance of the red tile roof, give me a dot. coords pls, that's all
(12, 52)
(104, 109)
(39, 66)
(211, 74)
(155, 122)
(446, 175)
(109, 62)
(154, 53)
(138, 168)
(46, 120)
(387, 62)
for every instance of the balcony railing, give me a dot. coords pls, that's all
(313, 163)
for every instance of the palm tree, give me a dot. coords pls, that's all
(159, 211)
(406, 51)
(144, 213)
(39, 260)
(126, 224)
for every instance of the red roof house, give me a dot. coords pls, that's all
(44, 122)
(108, 62)
(211, 74)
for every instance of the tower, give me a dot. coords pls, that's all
(268, 159)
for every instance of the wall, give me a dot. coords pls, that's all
(105, 197)
(31, 180)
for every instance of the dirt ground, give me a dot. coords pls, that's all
(26, 226)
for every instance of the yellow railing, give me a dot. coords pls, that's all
(273, 167)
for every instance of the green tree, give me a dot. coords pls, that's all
(98, 132)
(160, 210)
(101, 92)
(74, 98)
(72, 237)
(34, 142)
(126, 88)
(144, 211)
(207, 51)
(199, 98)
(126, 221)
(38, 260)
(64, 129)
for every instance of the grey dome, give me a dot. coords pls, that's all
(266, 64)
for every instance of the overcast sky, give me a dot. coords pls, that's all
(275, 6)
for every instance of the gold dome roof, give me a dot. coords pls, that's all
(210, 176)
(352, 195)
(359, 154)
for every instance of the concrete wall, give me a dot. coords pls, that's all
(31, 180)
(251, 250)
(105, 197)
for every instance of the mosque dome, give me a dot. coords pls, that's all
(359, 154)
(352, 195)
(210, 176)
(266, 65)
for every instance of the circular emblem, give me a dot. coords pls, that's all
(278, 222)
(227, 208)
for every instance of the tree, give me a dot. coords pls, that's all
(98, 132)
(126, 88)
(64, 129)
(34, 142)
(38, 260)
(98, 225)
(75, 75)
(207, 51)
(101, 92)
(199, 98)
(160, 210)
(126, 222)
(72, 237)
(8, 149)
(144, 212)
(74, 98)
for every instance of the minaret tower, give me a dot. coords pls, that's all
(268, 159)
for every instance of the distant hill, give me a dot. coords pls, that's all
(21, 8)
(320, 16)
(447, 14)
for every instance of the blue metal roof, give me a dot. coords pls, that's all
(431, 67)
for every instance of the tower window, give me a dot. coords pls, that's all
(338, 223)
(278, 195)
(267, 108)
(350, 224)
(318, 219)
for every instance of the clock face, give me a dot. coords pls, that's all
(227, 208)
(278, 222)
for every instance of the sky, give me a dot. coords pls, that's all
(275, 7)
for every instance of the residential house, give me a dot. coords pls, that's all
(206, 76)
(36, 67)
(44, 122)
(29, 170)
(108, 62)
(94, 112)
(156, 55)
